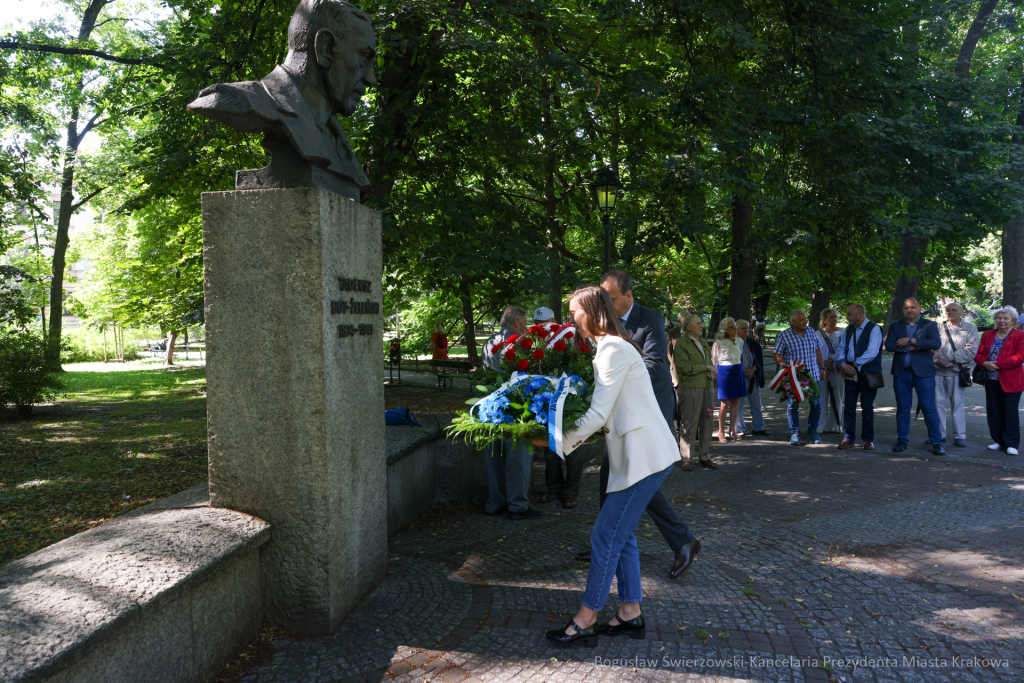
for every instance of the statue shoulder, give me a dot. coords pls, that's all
(244, 105)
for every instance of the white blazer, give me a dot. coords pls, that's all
(638, 439)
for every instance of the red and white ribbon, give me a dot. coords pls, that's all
(790, 371)
(560, 333)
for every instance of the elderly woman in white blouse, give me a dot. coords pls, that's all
(641, 453)
(727, 355)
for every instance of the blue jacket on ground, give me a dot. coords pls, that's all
(927, 336)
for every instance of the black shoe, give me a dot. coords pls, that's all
(684, 557)
(761, 432)
(899, 447)
(636, 628)
(583, 557)
(524, 514)
(497, 512)
(587, 635)
(937, 449)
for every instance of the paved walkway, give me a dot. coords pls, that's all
(817, 564)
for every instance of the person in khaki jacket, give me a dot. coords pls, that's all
(959, 340)
(694, 378)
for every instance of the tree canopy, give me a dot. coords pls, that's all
(768, 151)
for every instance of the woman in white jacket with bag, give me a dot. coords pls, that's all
(641, 453)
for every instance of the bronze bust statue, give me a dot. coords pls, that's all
(331, 55)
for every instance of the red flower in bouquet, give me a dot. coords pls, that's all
(526, 342)
(538, 354)
(542, 333)
(569, 335)
(510, 354)
(497, 347)
(584, 347)
(554, 327)
(513, 339)
(560, 345)
(522, 365)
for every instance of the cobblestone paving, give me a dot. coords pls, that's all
(887, 568)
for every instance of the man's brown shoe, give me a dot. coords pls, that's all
(846, 443)
(570, 502)
(552, 497)
(686, 467)
(869, 445)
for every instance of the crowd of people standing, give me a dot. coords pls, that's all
(656, 390)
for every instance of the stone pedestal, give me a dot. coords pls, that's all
(294, 391)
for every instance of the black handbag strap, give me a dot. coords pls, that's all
(828, 340)
(952, 349)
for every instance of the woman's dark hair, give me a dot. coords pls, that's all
(601, 317)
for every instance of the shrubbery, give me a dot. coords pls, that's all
(23, 377)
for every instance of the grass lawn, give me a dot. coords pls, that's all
(121, 437)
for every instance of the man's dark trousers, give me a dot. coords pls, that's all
(559, 484)
(854, 389)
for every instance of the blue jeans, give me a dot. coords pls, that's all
(756, 416)
(793, 413)
(905, 384)
(508, 462)
(613, 543)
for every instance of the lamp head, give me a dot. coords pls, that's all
(606, 185)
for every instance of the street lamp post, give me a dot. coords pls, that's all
(606, 185)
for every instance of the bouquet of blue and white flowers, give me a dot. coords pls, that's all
(532, 406)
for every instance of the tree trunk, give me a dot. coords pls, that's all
(762, 294)
(911, 265)
(1013, 262)
(169, 360)
(555, 300)
(42, 319)
(400, 84)
(819, 302)
(60, 248)
(912, 247)
(743, 264)
(470, 323)
(1013, 237)
(67, 185)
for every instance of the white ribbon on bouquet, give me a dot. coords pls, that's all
(790, 371)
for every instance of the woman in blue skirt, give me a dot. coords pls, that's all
(732, 386)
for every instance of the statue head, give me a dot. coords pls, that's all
(331, 43)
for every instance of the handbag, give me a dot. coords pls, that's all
(965, 375)
(980, 375)
(874, 380)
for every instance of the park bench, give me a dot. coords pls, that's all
(448, 370)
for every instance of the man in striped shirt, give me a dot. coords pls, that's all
(799, 344)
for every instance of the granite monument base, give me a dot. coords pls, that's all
(294, 394)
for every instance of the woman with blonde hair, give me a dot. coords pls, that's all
(727, 356)
(439, 343)
(641, 453)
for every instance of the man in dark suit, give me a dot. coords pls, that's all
(913, 342)
(647, 329)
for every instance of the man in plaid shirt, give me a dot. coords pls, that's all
(797, 344)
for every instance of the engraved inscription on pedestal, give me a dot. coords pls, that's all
(354, 306)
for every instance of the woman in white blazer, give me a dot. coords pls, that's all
(641, 453)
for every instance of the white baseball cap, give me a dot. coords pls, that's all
(543, 314)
